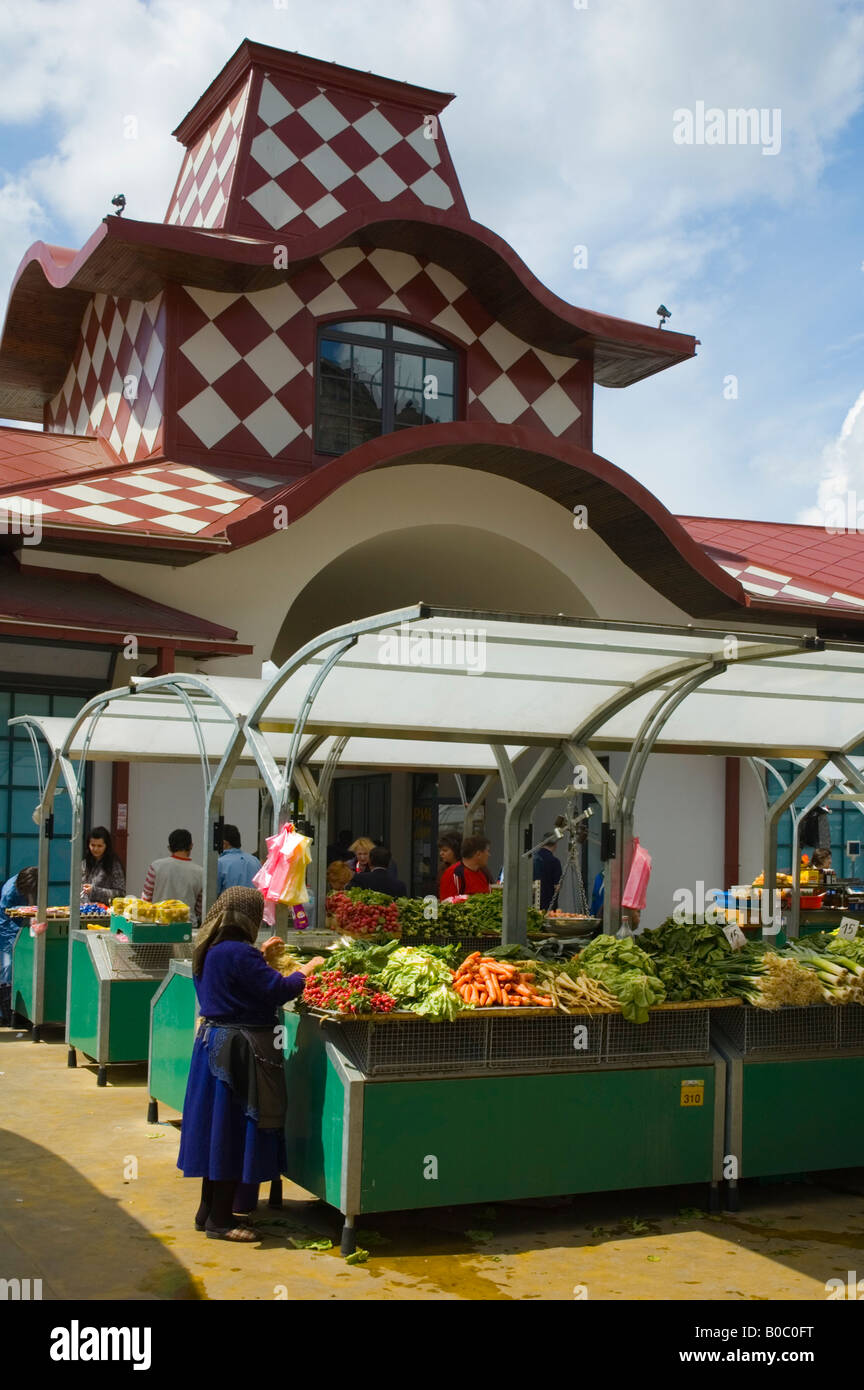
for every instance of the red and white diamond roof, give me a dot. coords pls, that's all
(292, 144)
(165, 499)
(200, 197)
(116, 380)
(785, 562)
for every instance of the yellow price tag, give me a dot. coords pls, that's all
(692, 1093)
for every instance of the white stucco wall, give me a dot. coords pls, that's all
(679, 820)
(163, 798)
(680, 808)
(752, 822)
(252, 589)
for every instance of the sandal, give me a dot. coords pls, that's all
(241, 1235)
(239, 1219)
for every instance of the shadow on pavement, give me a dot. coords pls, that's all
(57, 1227)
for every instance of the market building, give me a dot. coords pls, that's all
(317, 390)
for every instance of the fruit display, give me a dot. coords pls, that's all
(172, 910)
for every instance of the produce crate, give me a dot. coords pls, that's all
(794, 1028)
(151, 932)
(670, 1033)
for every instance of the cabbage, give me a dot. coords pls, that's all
(420, 983)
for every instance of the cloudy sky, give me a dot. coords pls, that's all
(562, 132)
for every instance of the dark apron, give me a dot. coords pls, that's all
(250, 1064)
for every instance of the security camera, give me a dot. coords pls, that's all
(119, 202)
(664, 314)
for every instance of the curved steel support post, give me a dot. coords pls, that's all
(520, 799)
(306, 709)
(784, 802)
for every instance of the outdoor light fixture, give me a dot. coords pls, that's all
(119, 202)
(664, 314)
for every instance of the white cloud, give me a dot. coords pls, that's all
(842, 470)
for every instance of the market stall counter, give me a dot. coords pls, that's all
(792, 1079)
(40, 965)
(113, 976)
(396, 1112)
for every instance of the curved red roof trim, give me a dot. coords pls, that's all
(623, 351)
(624, 513)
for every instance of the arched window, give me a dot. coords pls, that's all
(375, 376)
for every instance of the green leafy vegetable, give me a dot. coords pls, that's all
(626, 971)
(420, 983)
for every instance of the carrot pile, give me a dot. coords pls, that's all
(484, 982)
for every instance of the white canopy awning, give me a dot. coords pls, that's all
(484, 685)
(147, 730)
(473, 678)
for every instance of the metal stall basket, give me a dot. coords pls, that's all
(111, 984)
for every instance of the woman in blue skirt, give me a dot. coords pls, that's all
(234, 1112)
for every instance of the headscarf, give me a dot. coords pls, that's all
(236, 914)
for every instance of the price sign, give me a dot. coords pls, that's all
(735, 936)
(848, 928)
(692, 1093)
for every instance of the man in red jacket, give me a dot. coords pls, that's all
(468, 874)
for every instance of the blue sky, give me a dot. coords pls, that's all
(562, 134)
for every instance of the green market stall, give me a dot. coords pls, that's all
(355, 1084)
(113, 978)
(392, 1113)
(40, 954)
(793, 1078)
(564, 690)
(99, 983)
(39, 961)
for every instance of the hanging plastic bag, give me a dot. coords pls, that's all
(636, 887)
(282, 876)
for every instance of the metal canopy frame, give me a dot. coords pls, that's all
(839, 778)
(573, 663)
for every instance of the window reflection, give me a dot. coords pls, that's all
(365, 389)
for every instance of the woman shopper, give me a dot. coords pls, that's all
(361, 849)
(234, 1112)
(102, 876)
(17, 891)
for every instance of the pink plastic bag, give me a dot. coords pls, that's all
(636, 887)
(281, 877)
